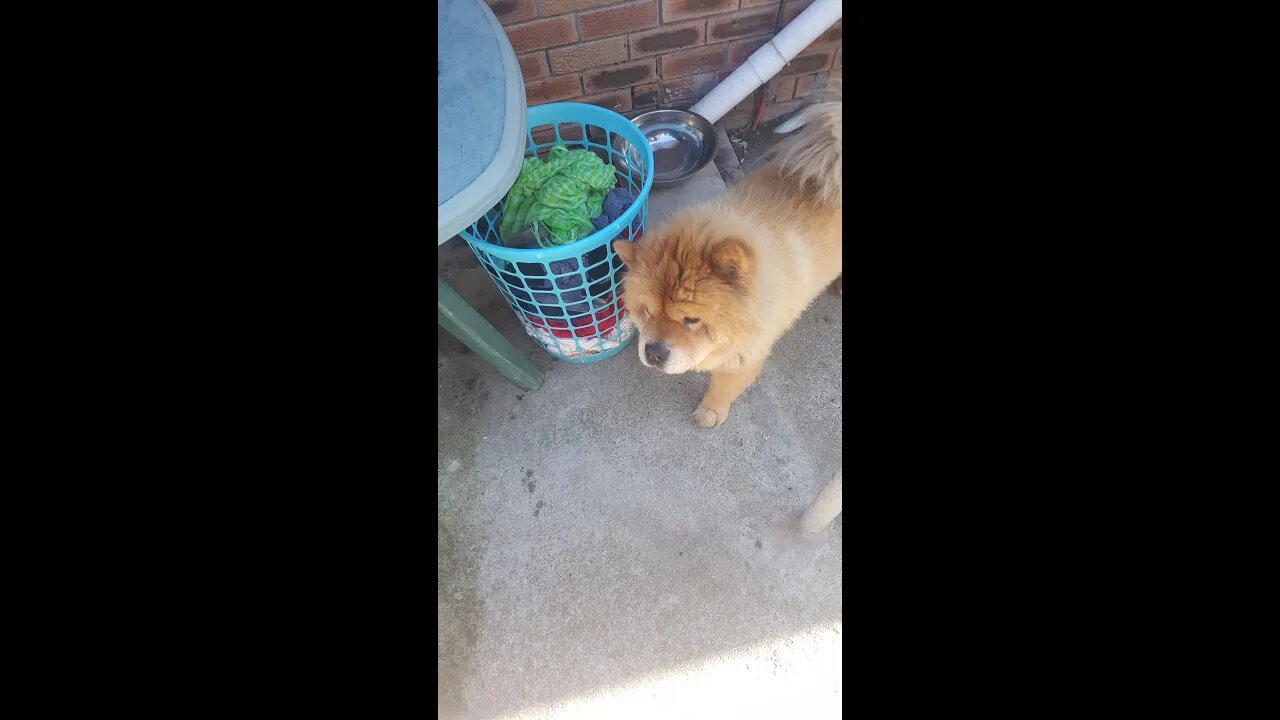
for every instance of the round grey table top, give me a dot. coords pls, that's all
(480, 116)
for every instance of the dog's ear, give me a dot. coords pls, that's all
(624, 250)
(732, 260)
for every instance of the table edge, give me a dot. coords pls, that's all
(471, 202)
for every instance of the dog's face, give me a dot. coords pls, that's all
(688, 288)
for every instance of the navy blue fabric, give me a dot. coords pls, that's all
(615, 203)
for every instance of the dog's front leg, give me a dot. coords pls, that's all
(725, 387)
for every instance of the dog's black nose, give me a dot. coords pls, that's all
(656, 353)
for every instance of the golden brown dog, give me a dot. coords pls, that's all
(714, 288)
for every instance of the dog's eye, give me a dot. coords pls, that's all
(690, 321)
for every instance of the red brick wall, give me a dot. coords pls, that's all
(636, 55)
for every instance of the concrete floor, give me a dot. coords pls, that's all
(755, 147)
(603, 556)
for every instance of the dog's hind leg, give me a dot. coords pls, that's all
(725, 387)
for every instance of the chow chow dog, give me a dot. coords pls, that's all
(715, 286)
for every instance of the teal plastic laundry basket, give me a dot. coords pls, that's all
(569, 297)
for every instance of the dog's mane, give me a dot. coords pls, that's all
(679, 266)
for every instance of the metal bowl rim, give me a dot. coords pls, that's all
(709, 146)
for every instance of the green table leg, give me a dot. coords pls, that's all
(464, 323)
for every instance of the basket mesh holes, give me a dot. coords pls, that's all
(625, 151)
(569, 282)
(532, 268)
(543, 134)
(597, 272)
(611, 290)
(486, 228)
(596, 255)
(570, 132)
(512, 280)
(567, 275)
(599, 136)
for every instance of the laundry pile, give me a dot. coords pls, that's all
(564, 199)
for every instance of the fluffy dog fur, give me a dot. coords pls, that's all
(714, 288)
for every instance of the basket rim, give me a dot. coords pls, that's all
(537, 115)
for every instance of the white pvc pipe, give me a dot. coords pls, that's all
(769, 59)
(826, 507)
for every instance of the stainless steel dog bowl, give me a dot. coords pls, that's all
(682, 143)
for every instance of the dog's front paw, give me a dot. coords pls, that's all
(708, 418)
